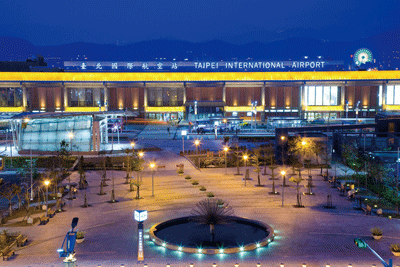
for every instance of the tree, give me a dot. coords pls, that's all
(17, 189)
(208, 212)
(137, 184)
(255, 160)
(272, 168)
(297, 180)
(82, 175)
(7, 192)
(128, 162)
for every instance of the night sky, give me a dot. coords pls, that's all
(56, 22)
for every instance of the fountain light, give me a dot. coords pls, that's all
(258, 265)
(199, 250)
(328, 265)
(237, 265)
(221, 250)
(180, 248)
(164, 244)
(168, 265)
(191, 265)
(214, 265)
(282, 265)
(304, 265)
(241, 248)
(258, 245)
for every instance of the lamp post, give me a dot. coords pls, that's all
(304, 143)
(245, 157)
(283, 185)
(152, 166)
(31, 173)
(197, 143)
(226, 150)
(46, 183)
(141, 154)
(184, 133)
(283, 138)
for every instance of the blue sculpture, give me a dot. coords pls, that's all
(69, 242)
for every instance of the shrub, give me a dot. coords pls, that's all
(195, 182)
(180, 171)
(210, 194)
(376, 231)
(203, 188)
(220, 202)
(395, 247)
(80, 235)
(188, 177)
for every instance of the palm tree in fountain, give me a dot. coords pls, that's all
(209, 212)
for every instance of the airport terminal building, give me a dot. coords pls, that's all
(189, 90)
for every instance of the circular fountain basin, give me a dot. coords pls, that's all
(186, 235)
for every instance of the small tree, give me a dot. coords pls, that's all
(7, 192)
(17, 190)
(255, 160)
(273, 168)
(210, 213)
(297, 180)
(82, 175)
(137, 184)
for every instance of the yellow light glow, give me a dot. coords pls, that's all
(245, 157)
(283, 172)
(152, 165)
(47, 182)
(243, 109)
(391, 107)
(71, 135)
(197, 142)
(165, 109)
(197, 76)
(304, 143)
(12, 109)
(141, 154)
(83, 109)
(226, 149)
(283, 137)
(323, 108)
(132, 144)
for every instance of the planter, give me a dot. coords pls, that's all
(80, 240)
(396, 253)
(377, 237)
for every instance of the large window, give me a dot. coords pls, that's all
(321, 95)
(393, 95)
(85, 97)
(10, 97)
(162, 97)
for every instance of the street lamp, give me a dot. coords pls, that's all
(184, 133)
(46, 183)
(141, 154)
(283, 138)
(245, 157)
(197, 143)
(225, 150)
(71, 136)
(152, 166)
(283, 185)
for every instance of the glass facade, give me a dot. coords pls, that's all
(10, 97)
(393, 95)
(45, 134)
(85, 97)
(165, 97)
(321, 95)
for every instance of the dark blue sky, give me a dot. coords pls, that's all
(54, 22)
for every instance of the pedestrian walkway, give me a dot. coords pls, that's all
(158, 132)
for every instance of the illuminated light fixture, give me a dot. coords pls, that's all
(164, 244)
(287, 107)
(258, 264)
(241, 248)
(237, 265)
(168, 265)
(199, 250)
(145, 265)
(272, 107)
(214, 265)
(283, 137)
(180, 248)
(328, 265)
(282, 265)
(122, 265)
(191, 265)
(304, 265)
(221, 250)
(269, 239)
(258, 245)
(350, 265)
(365, 106)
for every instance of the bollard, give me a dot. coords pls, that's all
(191, 265)
(258, 264)
(304, 265)
(214, 265)
(281, 265)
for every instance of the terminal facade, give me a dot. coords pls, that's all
(194, 95)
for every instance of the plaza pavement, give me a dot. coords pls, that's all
(310, 235)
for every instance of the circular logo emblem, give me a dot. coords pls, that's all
(362, 56)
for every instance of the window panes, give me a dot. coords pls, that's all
(45, 134)
(389, 95)
(321, 95)
(397, 95)
(85, 97)
(11, 97)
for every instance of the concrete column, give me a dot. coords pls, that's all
(343, 99)
(65, 90)
(145, 96)
(105, 88)
(24, 97)
(263, 95)
(224, 93)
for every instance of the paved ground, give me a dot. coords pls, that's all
(310, 235)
